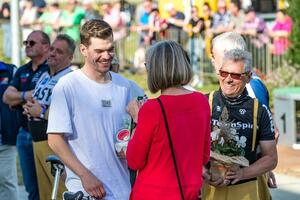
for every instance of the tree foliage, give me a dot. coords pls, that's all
(293, 55)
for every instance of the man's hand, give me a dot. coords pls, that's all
(28, 95)
(235, 174)
(271, 180)
(122, 154)
(32, 108)
(217, 183)
(92, 185)
(133, 108)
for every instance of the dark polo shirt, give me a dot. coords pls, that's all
(25, 79)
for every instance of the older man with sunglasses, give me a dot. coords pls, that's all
(257, 130)
(18, 93)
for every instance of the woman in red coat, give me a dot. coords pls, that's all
(188, 116)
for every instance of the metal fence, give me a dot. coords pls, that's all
(131, 53)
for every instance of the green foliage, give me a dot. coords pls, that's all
(293, 55)
(228, 149)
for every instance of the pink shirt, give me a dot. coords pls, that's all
(149, 151)
(281, 44)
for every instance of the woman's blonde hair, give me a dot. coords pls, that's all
(168, 66)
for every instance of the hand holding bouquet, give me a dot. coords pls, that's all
(226, 148)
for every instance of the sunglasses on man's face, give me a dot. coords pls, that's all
(29, 43)
(235, 76)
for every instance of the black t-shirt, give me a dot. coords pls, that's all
(240, 112)
(25, 79)
(194, 23)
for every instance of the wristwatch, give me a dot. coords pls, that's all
(43, 112)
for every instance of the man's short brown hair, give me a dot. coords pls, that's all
(94, 28)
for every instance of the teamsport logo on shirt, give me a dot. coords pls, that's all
(236, 125)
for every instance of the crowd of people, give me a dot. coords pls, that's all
(48, 107)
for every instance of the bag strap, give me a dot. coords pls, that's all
(255, 110)
(171, 146)
(210, 100)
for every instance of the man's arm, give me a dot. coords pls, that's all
(90, 183)
(266, 163)
(13, 97)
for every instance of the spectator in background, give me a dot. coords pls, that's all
(254, 27)
(157, 26)
(90, 12)
(221, 19)
(112, 15)
(143, 23)
(280, 33)
(6, 28)
(70, 19)
(208, 19)
(49, 20)
(9, 126)
(40, 5)
(28, 18)
(175, 24)
(143, 29)
(149, 149)
(195, 44)
(237, 15)
(20, 91)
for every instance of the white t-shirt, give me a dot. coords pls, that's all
(89, 114)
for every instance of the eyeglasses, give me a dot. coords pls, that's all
(235, 76)
(146, 65)
(29, 43)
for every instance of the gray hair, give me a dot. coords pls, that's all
(239, 55)
(228, 41)
(69, 41)
(168, 65)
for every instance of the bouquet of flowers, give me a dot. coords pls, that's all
(226, 148)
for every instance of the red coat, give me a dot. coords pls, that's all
(149, 151)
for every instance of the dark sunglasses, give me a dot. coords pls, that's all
(29, 43)
(235, 76)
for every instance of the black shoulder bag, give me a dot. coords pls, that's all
(171, 146)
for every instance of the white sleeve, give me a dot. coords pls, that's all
(135, 90)
(59, 120)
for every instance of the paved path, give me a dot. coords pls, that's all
(288, 188)
(287, 176)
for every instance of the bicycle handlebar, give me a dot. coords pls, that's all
(76, 196)
(73, 196)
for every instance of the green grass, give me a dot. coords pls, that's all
(141, 80)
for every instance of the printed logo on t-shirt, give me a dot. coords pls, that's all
(3, 80)
(24, 78)
(106, 103)
(242, 111)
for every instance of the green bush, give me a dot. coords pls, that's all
(293, 56)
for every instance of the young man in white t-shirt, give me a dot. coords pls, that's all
(87, 109)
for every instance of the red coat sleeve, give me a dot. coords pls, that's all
(139, 145)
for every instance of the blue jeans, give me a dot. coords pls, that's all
(25, 150)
